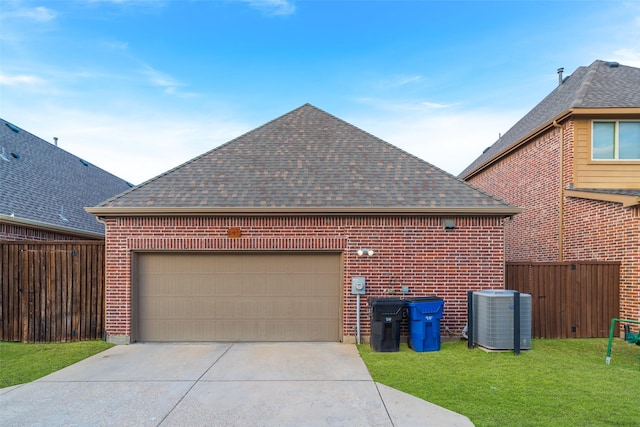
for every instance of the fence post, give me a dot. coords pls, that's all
(516, 323)
(470, 320)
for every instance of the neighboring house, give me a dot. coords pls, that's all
(44, 190)
(260, 238)
(573, 164)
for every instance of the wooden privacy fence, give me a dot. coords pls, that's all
(568, 299)
(51, 291)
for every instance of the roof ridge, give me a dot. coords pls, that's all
(585, 84)
(305, 159)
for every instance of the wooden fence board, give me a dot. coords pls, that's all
(76, 290)
(569, 299)
(51, 291)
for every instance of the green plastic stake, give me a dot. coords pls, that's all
(611, 328)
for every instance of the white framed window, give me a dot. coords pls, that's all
(615, 140)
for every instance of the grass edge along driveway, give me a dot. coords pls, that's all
(562, 382)
(558, 382)
(24, 362)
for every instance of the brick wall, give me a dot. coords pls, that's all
(530, 178)
(411, 251)
(606, 231)
(20, 232)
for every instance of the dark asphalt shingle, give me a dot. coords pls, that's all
(46, 183)
(306, 158)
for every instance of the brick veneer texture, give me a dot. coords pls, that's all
(606, 231)
(592, 230)
(529, 179)
(14, 232)
(411, 251)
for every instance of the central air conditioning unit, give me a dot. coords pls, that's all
(493, 318)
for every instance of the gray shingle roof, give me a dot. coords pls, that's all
(305, 159)
(43, 183)
(600, 85)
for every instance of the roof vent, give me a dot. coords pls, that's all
(14, 128)
(84, 162)
(560, 71)
(3, 155)
(61, 214)
(612, 64)
(15, 155)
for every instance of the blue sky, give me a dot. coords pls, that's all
(138, 87)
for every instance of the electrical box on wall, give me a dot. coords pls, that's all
(358, 285)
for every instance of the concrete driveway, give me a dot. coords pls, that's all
(218, 384)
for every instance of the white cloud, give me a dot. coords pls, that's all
(159, 79)
(169, 85)
(150, 2)
(273, 7)
(450, 140)
(628, 56)
(134, 147)
(20, 80)
(399, 81)
(138, 145)
(435, 106)
(38, 14)
(397, 108)
(625, 43)
(116, 45)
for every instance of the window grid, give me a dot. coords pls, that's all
(615, 140)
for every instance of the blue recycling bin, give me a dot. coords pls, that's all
(424, 323)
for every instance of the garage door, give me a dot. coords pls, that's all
(237, 297)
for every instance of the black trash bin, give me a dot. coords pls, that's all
(386, 316)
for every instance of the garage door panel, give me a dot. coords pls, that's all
(238, 297)
(178, 308)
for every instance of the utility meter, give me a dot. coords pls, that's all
(357, 285)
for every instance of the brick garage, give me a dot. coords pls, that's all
(395, 205)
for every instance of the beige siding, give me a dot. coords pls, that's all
(601, 174)
(237, 297)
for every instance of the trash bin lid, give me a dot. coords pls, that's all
(387, 306)
(424, 299)
(426, 305)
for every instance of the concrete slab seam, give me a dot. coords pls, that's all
(113, 381)
(194, 384)
(273, 380)
(384, 404)
(9, 389)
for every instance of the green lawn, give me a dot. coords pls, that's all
(556, 383)
(21, 363)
